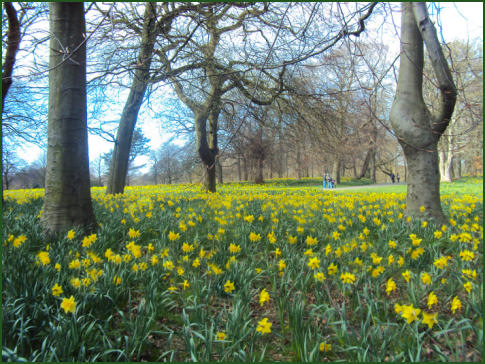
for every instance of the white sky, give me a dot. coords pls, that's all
(460, 20)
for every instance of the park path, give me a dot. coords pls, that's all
(363, 186)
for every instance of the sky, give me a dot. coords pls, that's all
(460, 21)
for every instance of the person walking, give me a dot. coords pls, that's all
(392, 177)
(397, 177)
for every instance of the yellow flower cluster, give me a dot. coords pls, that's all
(183, 238)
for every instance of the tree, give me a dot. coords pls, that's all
(157, 22)
(139, 147)
(13, 40)
(97, 170)
(25, 105)
(11, 164)
(168, 165)
(120, 160)
(32, 175)
(462, 137)
(67, 201)
(417, 130)
(218, 76)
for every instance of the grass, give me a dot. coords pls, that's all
(305, 182)
(343, 272)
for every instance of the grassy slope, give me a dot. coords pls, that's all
(466, 185)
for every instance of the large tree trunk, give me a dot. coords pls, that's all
(119, 162)
(210, 179)
(67, 201)
(207, 142)
(417, 130)
(13, 41)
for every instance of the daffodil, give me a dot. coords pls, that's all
(426, 278)
(253, 237)
(263, 297)
(324, 347)
(314, 263)
(229, 287)
(281, 264)
(221, 335)
(406, 275)
(43, 257)
(133, 233)
(347, 278)
(410, 313)
(311, 240)
(319, 276)
(429, 319)
(57, 290)
(172, 236)
(455, 304)
(390, 286)
(68, 304)
(432, 299)
(467, 255)
(332, 269)
(264, 327)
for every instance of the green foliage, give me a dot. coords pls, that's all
(151, 284)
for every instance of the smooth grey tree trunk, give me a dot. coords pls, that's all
(417, 130)
(67, 201)
(121, 153)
